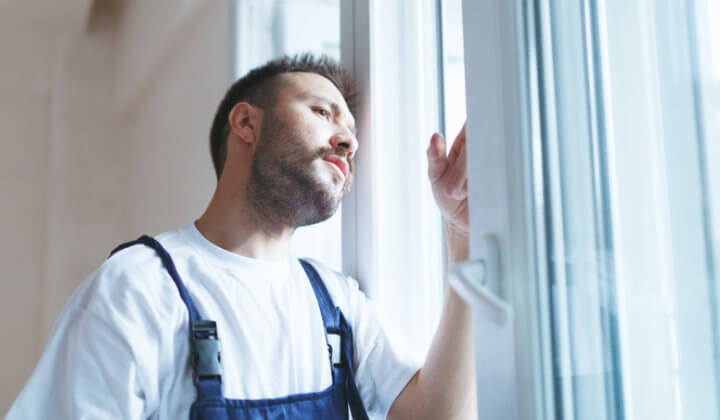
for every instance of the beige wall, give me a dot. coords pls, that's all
(23, 214)
(170, 148)
(103, 136)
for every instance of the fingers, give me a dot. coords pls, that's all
(459, 142)
(451, 171)
(455, 177)
(437, 162)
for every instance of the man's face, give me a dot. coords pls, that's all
(303, 163)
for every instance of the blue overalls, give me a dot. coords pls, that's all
(332, 403)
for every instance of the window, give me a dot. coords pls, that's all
(453, 67)
(267, 29)
(392, 229)
(629, 216)
(592, 135)
(708, 63)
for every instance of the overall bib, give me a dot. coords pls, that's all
(331, 403)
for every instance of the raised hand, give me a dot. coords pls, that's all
(448, 177)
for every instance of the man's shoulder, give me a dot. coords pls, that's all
(328, 273)
(135, 272)
(133, 260)
(138, 257)
(342, 288)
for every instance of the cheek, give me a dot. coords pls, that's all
(296, 144)
(309, 134)
(304, 132)
(312, 130)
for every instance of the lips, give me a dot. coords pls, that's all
(339, 163)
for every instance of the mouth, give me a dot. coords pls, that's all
(339, 164)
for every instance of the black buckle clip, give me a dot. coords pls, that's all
(205, 350)
(335, 348)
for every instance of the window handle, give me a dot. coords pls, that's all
(478, 281)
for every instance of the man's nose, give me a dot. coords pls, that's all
(346, 142)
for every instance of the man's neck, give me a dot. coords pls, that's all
(232, 223)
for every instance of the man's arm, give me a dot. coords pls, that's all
(445, 386)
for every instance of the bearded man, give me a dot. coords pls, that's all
(217, 320)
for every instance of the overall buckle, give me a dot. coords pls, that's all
(335, 347)
(205, 350)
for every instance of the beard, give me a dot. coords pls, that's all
(283, 187)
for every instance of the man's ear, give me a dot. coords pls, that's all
(245, 121)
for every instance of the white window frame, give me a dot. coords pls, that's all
(501, 189)
(398, 261)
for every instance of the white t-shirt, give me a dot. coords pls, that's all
(120, 347)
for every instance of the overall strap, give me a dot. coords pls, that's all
(204, 343)
(146, 240)
(335, 322)
(327, 308)
(356, 405)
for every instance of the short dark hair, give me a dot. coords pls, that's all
(259, 88)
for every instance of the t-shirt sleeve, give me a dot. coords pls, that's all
(92, 367)
(384, 362)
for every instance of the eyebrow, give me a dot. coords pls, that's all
(332, 105)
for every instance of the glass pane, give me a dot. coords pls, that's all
(629, 111)
(266, 29)
(707, 12)
(586, 369)
(270, 28)
(453, 67)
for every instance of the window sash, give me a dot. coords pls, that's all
(500, 170)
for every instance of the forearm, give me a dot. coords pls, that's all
(447, 381)
(445, 386)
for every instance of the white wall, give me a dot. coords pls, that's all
(103, 136)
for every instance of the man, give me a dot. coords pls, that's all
(216, 320)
